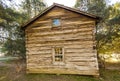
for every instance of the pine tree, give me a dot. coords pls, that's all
(13, 37)
(33, 7)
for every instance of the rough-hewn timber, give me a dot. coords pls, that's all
(75, 35)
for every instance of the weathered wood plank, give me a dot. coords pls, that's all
(70, 26)
(80, 54)
(74, 34)
(68, 67)
(65, 30)
(63, 39)
(61, 33)
(58, 43)
(83, 63)
(76, 37)
(77, 47)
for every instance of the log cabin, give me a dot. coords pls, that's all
(61, 40)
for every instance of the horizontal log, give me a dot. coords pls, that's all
(63, 27)
(76, 22)
(67, 67)
(63, 19)
(49, 43)
(84, 63)
(78, 47)
(47, 52)
(81, 50)
(76, 42)
(78, 26)
(60, 43)
(77, 18)
(68, 17)
(56, 13)
(42, 24)
(77, 36)
(63, 39)
(62, 16)
(76, 51)
(67, 54)
(55, 36)
(67, 30)
(53, 71)
(80, 54)
(82, 60)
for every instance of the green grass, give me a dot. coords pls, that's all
(110, 75)
(9, 73)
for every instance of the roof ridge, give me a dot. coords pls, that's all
(58, 5)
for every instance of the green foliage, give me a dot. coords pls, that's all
(110, 41)
(10, 21)
(96, 7)
(33, 7)
(107, 34)
(114, 11)
(15, 46)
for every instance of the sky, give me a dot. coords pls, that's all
(114, 1)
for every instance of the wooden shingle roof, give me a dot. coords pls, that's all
(61, 6)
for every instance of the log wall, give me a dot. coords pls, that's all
(75, 35)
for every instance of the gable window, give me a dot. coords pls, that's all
(58, 54)
(56, 22)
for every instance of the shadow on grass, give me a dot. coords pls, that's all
(10, 74)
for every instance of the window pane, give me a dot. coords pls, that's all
(58, 50)
(58, 54)
(56, 22)
(58, 58)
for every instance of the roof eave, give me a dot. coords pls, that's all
(62, 6)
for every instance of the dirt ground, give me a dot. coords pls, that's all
(15, 71)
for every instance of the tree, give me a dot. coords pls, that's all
(99, 8)
(111, 39)
(33, 7)
(82, 5)
(108, 30)
(10, 24)
(10, 21)
(114, 11)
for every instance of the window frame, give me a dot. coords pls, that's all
(53, 55)
(58, 25)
